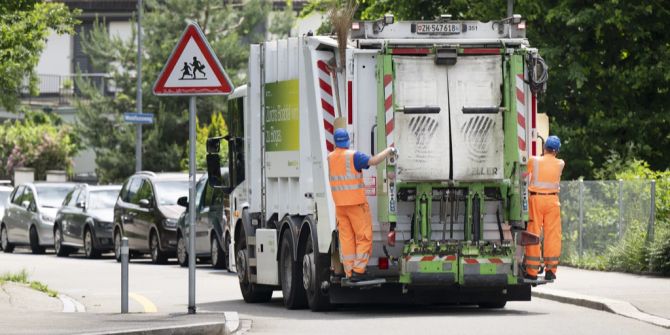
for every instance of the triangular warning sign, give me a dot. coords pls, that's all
(193, 68)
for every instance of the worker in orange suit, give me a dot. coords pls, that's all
(545, 210)
(354, 222)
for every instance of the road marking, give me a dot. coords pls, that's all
(148, 306)
(70, 305)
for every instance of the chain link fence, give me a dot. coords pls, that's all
(597, 215)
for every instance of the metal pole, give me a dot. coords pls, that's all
(510, 8)
(652, 218)
(581, 215)
(124, 275)
(191, 206)
(620, 228)
(138, 132)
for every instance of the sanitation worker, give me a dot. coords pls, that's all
(354, 222)
(545, 209)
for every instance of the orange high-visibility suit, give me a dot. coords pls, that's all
(545, 212)
(354, 222)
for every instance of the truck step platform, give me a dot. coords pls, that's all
(345, 282)
(538, 281)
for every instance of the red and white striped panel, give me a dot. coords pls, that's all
(421, 258)
(388, 107)
(327, 102)
(521, 118)
(493, 260)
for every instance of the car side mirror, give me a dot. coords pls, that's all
(144, 203)
(183, 202)
(25, 204)
(81, 204)
(214, 178)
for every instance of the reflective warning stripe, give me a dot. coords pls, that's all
(388, 109)
(348, 187)
(348, 257)
(343, 178)
(362, 256)
(327, 102)
(521, 117)
(551, 259)
(542, 184)
(533, 258)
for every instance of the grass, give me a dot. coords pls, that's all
(22, 278)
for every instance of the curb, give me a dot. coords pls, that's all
(618, 307)
(206, 328)
(70, 305)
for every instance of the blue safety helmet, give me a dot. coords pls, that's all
(341, 138)
(553, 143)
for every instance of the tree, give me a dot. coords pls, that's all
(609, 76)
(39, 141)
(229, 29)
(24, 28)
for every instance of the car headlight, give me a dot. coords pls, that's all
(47, 218)
(170, 223)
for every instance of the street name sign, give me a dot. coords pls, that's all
(139, 118)
(193, 68)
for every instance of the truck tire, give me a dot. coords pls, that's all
(290, 275)
(251, 292)
(315, 271)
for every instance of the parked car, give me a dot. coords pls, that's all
(146, 212)
(30, 213)
(210, 223)
(85, 221)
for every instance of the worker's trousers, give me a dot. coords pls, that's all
(354, 225)
(545, 215)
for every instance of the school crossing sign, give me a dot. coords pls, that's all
(193, 68)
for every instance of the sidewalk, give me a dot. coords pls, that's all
(650, 295)
(24, 311)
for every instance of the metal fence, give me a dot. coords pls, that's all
(63, 88)
(597, 214)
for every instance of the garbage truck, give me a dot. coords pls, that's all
(456, 98)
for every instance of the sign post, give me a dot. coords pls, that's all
(192, 70)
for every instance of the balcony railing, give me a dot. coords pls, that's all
(62, 89)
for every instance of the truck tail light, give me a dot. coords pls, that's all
(390, 238)
(383, 263)
(528, 239)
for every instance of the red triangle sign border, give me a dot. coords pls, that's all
(193, 31)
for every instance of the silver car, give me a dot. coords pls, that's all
(30, 214)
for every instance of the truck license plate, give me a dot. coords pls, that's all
(438, 28)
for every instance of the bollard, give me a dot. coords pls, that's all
(581, 215)
(124, 275)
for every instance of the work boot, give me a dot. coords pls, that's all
(529, 277)
(549, 275)
(359, 277)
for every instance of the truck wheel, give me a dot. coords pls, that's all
(251, 292)
(493, 305)
(182, 253)
(291, 274)
(314, 273)
(219, 257)
(35, 246)
(4, 240)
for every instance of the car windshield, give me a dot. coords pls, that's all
(52, 196)
(102, 199)
(167, 192)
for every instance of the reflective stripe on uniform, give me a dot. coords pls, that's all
(532, 266)
(343, 178)
(533, 258)
(551, 259)
(348, 257)
(347, 187)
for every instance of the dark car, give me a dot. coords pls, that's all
(85, 221)
(210, 222)
(146, 212)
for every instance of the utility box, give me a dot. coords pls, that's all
(23, 175)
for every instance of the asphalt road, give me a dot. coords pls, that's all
(164, 288)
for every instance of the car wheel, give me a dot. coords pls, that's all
(35, 246)
(219, 257)
(182, 253)
(59, 248)
(117, 245)
(4, 240)
(157, 256)
(251, 292)
(89, 246)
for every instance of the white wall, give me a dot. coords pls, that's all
(121, 29)
(57, 55)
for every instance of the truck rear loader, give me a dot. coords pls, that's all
(458, 101)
